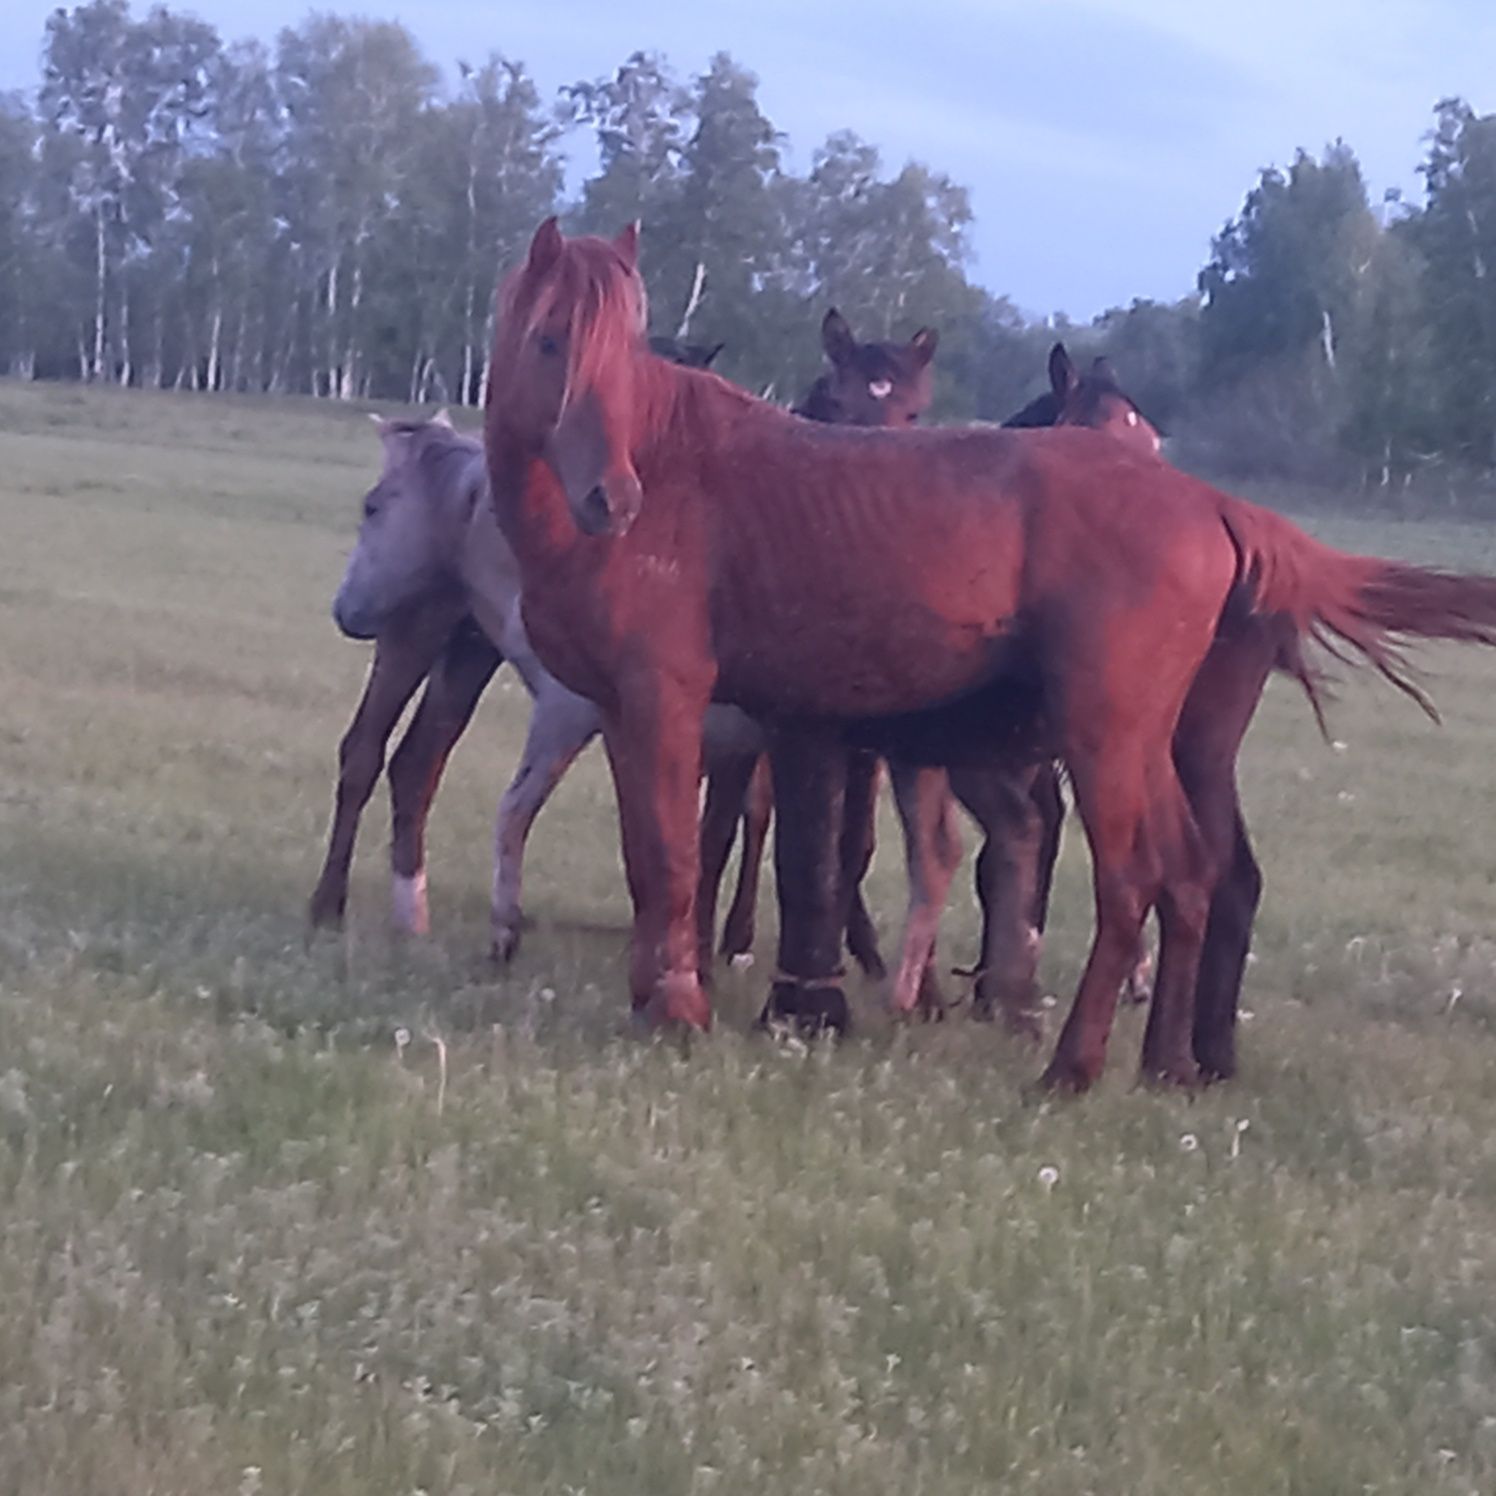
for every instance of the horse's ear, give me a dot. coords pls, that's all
(627, 244)
(836, 337)
(1062, 375)
(923, 344)
(442, 418)
(1103, 373)
(711, 355)
(545, 247)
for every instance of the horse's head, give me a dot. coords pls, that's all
(414, 521)
(687, 355)
(1093, 399)
(571, 322)
(872, 384)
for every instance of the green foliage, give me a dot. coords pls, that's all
(331, 216)
(1456, 234)
(249, 1243)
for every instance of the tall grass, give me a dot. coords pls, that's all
(363, 1217)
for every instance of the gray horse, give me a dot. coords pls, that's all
(432, 580)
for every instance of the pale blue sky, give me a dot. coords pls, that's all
(1103, 141)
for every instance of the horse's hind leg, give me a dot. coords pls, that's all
(1007, 804)
(402, 658)
(1215, 719)
(1049, 803)
(466, 666)
(758, 811)
(561, 726)
(1049, 806)
(727, 782)
(1184, 901)
(858, 840)
(1111, 796)
(932, 852)
(1228, 938)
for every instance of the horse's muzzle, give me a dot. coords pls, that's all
(610, 507)
(352, 623)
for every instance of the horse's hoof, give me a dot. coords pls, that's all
(810, 1011)
(505, 944)
(1172, 1075)
(325, 911)
(679, 1001)
(1215, 1068)
(1069, 1075)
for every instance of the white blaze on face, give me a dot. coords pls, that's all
(408, 903)
(880, 389)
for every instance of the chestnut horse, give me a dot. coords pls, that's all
(680, 541)
(1015, 867)
(431, 637)
(413, 594)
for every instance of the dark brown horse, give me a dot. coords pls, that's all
(1015, 867)
(865, 384)
(681, 542)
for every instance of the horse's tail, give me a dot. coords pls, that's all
(1352, 605)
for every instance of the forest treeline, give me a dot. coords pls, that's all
(326, 216)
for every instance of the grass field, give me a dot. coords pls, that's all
(255, 1239)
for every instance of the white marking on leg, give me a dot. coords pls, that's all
(408, 901)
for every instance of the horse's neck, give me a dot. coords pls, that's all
(817, 404)
(489, 573)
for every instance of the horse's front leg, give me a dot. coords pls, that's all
(653, 739)
(858, 842)
(758, 811)
(809, 762)
(562, 724)
(1010, 872)
(465, 668)
(727, 779)
(932, 853)
(402, 657)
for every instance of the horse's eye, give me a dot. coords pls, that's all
(370, 508)
(912, 417)
(549, 346)
(880, 389)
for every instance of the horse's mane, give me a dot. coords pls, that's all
(609, 308)
(1042, 410)
(817, 404)
(443, 456)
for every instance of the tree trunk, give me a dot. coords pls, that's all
(215, 343)
(95, 368)
(126, 371)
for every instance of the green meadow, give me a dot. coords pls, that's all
(361, 1216)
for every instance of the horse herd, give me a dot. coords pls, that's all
(786, 600)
